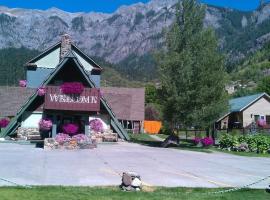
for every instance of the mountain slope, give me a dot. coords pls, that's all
(129, 36)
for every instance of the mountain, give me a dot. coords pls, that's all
(129, 36)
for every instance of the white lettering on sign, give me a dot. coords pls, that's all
(62, 98)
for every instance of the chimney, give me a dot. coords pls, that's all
(65, 45)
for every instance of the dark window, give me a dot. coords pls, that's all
(268, 119)
(256, 117)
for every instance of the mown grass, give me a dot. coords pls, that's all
(114, 193)
(187, 145)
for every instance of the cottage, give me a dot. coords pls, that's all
(49, 77)
(245, 111)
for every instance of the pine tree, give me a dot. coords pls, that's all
(192, 71)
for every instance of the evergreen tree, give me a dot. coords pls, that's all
(192, 71)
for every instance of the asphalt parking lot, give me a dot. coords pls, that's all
(25, 164)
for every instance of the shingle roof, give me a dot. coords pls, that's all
(127, 103)
(12, 99)
(238, 104)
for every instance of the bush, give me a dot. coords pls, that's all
(207, 141)
(254, 143)
(228, 141)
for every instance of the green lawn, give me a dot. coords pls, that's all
(114, 193)
(145, 139)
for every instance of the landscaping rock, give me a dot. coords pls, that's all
(131, 181)
(72, 144)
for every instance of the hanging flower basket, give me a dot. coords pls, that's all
(72, 88)
(4, 123)
(41, 91)
(45, 124)
(22, 83)
(96, 125)
(70, 129)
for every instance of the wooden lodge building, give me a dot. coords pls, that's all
(121, 109)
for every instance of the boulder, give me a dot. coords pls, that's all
(131, 181)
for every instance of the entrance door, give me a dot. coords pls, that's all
(74, 119)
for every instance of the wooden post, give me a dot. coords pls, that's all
(86, 126)
(54, 127)
(186, 135)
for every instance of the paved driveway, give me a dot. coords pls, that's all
(25, 164)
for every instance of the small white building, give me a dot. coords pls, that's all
(246, 110)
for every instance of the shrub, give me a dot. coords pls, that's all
(253, 143)
(196, 140)
(207, 141)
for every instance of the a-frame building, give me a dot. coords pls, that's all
(71, 68)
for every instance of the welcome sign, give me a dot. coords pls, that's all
(88, 100)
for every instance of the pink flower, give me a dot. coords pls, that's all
(45, 124)
(61, 138)
(41, 91)
(72, 88)
(261, 123)
(197, 140)
(22, 83)
(80, 138)
(96, 125)
(71, 129)
(207, 141)
(4, 123)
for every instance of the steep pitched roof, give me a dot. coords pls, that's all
(241, 103)
(115, 123)
(128, 103)
(73, 48)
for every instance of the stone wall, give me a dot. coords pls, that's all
(28, 133)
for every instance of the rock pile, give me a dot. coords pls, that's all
(131, 181)
(51, 144)
(106, 136)
(28, 134)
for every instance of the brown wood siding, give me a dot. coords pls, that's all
(73, 106)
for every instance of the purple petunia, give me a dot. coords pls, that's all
(72, 88)
(70, 128)
(96, 125)
(45, 124)
(61, 138)
(22, 83)
(41, 91)
(80, 138)
(3, 123)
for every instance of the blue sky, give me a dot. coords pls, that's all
(109, 6)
